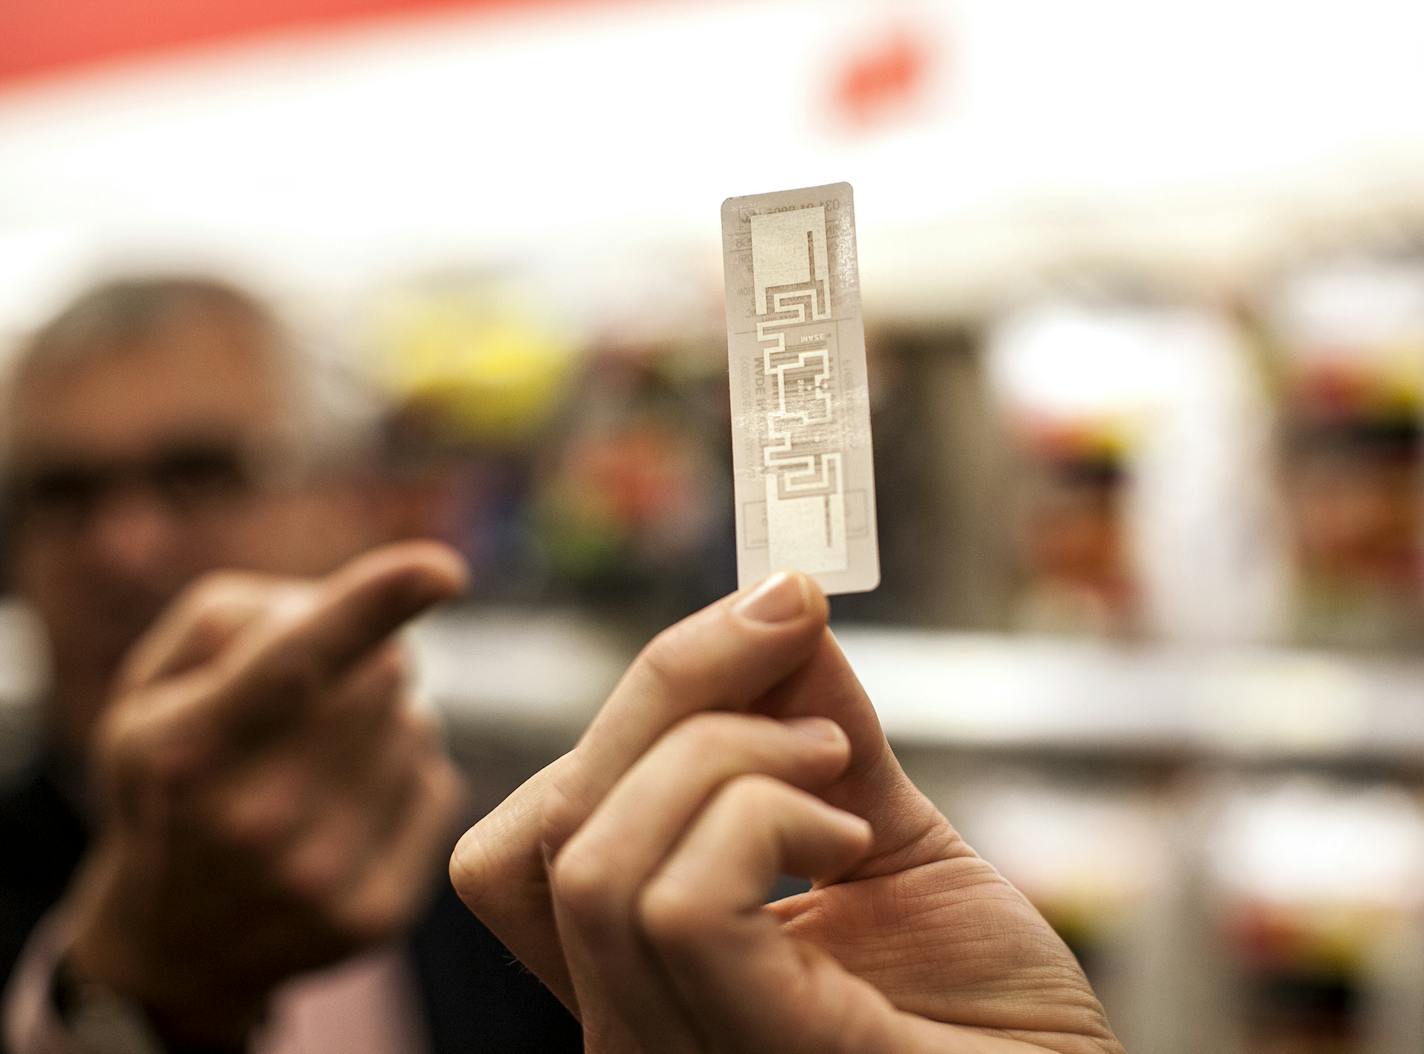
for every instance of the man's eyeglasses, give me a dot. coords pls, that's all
(188, 477)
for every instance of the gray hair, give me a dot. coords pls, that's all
(333, 409)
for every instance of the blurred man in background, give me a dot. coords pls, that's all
(246, 798)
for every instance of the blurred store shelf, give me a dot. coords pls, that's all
(539, 676)
(546, 674)
(536, 671)
(951, 689)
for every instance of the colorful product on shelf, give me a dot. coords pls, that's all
(1141, 435)
(1349, 338)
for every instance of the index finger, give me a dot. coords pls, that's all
(352, 612)
(724, 657)
(368, 599)
(203, 621)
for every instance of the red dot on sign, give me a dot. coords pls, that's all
(880, 80)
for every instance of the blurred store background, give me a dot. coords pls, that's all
(1145, 292)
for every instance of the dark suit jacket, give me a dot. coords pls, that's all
(475, 996)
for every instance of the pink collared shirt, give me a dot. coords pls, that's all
(363, 1005)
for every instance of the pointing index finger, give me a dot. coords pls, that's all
(371, 597)
(353, 611)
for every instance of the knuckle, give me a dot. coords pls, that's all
(434, 789)
(209, 629)
(404, 740)
(172, 767)
(385, 675)
(208, 592)
(425, 729)
(312, 877)
(125, 767)
(259, 823)
(399, 665)
(672, 660)
(143, 758)
(291, 671)
(581, 883)
(750, 794)
(378, 912)
(445, 788)
(560, 816)
(695, 656)
(120, 745)
(671, 912)
(716, 734)
(379, 921)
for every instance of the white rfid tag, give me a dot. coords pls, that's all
(801, 454)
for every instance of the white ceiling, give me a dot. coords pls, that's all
(600, 140)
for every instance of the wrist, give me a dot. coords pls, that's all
(182, 1016)
(103, 1020)
(123, 945)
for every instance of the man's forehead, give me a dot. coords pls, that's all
(125, 398)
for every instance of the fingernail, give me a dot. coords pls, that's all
(777, 599)
(822, 728)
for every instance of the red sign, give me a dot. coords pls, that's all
(41, 37)
(883, 78)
